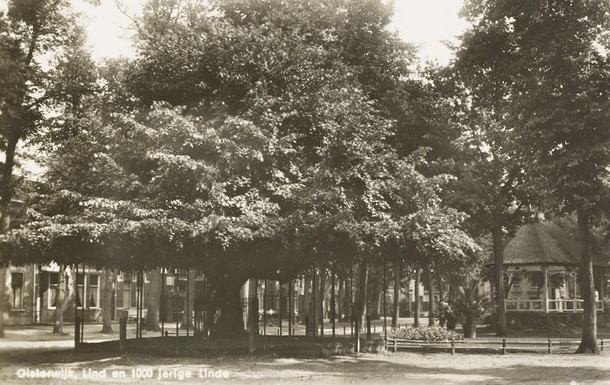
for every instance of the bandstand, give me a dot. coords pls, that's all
(542, 263)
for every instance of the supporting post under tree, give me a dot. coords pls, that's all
(280, 308)
(314, 324)
(351, 299)
(82, 307)
(290, 308)
(76, 320)
(163, 309)
(385, 325)
(322, 282)
(416, 310)
(176, 275)
(332, 298)
(187, 312)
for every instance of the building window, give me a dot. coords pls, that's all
(17, 290)
(93, 291)
(53, 287)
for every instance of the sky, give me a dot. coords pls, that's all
(425, 23)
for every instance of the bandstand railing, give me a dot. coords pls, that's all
(553, 305)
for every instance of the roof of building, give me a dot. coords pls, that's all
(544, 243)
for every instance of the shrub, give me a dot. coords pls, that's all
(433, 334)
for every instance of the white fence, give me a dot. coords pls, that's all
(554, 305)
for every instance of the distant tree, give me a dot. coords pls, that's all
(32, 34)
(548, 65)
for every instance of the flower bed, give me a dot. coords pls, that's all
(433, 334)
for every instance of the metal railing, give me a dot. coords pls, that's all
(500, 346)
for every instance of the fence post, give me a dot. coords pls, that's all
(395, 345)
(549, 346)
(601, 342)
(504, 346)
(452, 347)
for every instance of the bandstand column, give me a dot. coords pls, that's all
(575, 290)
(545, 279)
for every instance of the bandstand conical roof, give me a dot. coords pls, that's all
(544, 243)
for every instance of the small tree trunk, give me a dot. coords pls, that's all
(58, 326)
(498, 250)
(322, 294)
(6, 195)
(3, 292)
(588, 342)
(416, 305)
(360, 303)
(430, 285)
(441, 288)
(349, 297)
(315, 292)
(108, 279)
(306, 305)
(468, 325)
(396, 299)
(451, 295)
(340, 299)
(375, 291)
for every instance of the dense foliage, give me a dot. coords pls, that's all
(428, 334)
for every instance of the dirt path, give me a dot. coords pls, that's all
(401, 368)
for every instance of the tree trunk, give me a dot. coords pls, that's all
(349, 298)
(396, 310)
(322, 300)
(151, 322)
(252, 306)
(360, 302)
(416, 310)
(441, 288)
(58, 325)
(313, 318)
(6, 195)
(3, 299)
(467, 326)
(588, 343)
(108, 278)
(340, 299)
(498, 250)
(306, 305)
(226, 297)
(375, 291)
(429, 283)
(451, 295)
(6, 189)
(189, 301)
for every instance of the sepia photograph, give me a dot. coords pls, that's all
(304, 192)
